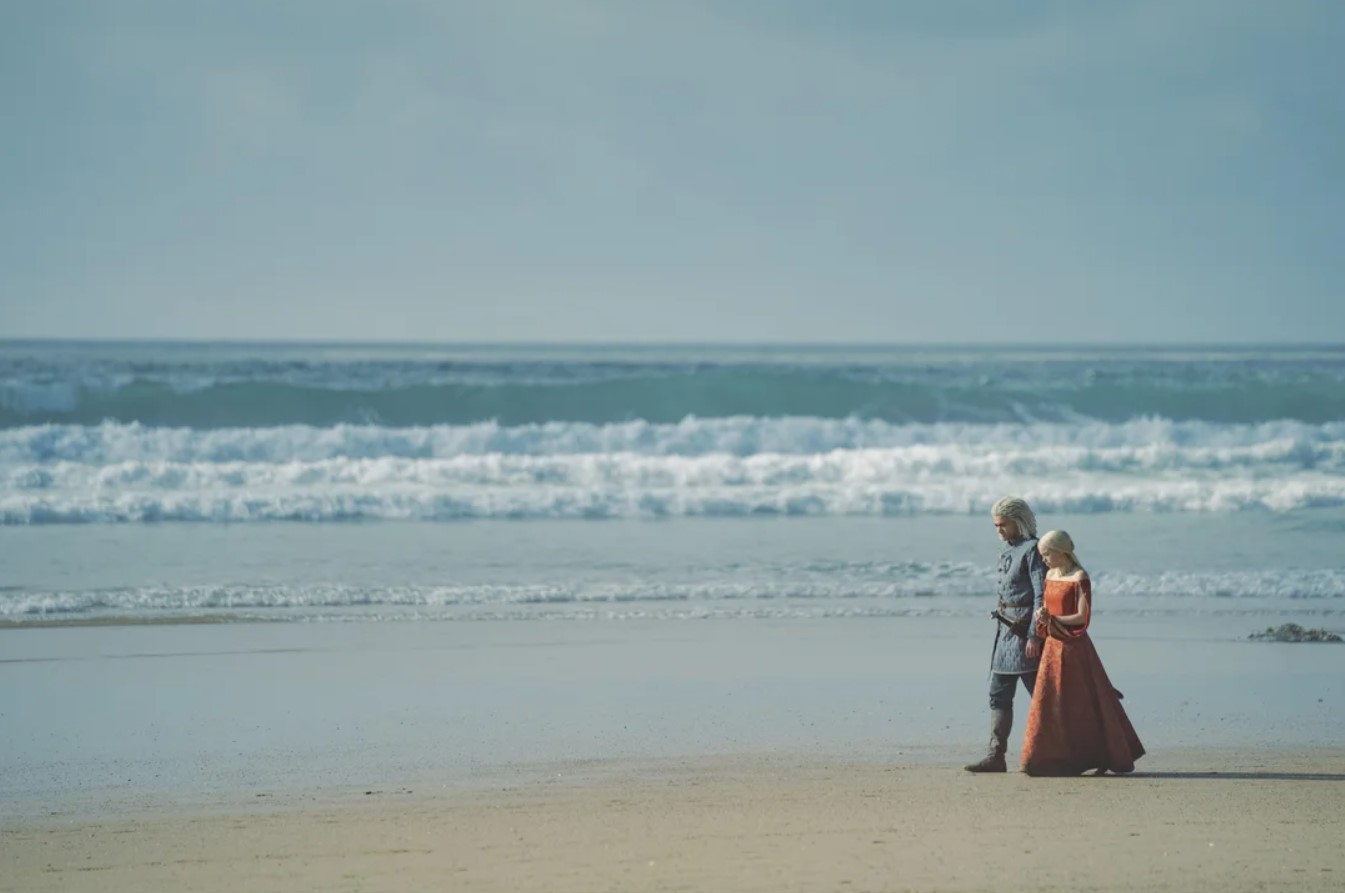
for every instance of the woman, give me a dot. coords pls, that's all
(1076, 722)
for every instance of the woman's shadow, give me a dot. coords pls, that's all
(1240, 776)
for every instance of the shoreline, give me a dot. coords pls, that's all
(182, 714)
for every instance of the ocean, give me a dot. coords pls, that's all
(231, 571)
(222, 482)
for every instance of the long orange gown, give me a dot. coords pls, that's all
(1076, 723)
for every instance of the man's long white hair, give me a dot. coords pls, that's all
(1019, 512)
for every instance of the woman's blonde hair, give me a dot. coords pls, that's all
(1017, 511)
(1059, 541)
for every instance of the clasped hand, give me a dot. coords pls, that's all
(1033, 643)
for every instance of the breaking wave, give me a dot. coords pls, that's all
(722, 467)
(131, 433)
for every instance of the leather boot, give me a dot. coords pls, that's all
(1001, 721)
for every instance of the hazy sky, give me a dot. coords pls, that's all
(684, 170)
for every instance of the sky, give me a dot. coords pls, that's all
(673, 170)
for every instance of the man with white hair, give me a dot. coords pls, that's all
(1017, 650)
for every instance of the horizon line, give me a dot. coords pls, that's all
(719, 343)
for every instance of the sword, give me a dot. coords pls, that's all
(1017, 627)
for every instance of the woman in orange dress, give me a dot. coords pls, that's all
(1076, 722)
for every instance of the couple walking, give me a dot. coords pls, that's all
(1076, 722)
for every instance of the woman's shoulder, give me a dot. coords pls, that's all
(1078, 576)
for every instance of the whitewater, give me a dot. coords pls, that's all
(236, 433)
(494, 482)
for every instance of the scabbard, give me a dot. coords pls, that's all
(1018, 628)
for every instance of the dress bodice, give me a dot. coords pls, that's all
(1061, 598)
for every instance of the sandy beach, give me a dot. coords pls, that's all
(728, 756)
(1263, 821)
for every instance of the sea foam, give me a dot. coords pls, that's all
(905, 589)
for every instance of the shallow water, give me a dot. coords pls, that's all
(1258, 566)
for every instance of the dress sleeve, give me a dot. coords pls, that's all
(1086, 592)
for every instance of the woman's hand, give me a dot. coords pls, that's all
(1041, 627)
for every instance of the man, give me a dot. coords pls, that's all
(1017, 651)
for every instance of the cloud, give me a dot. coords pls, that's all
(819, 163)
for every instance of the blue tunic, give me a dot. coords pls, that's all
(1022, 580)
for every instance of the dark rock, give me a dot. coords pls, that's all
(1292, 632)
